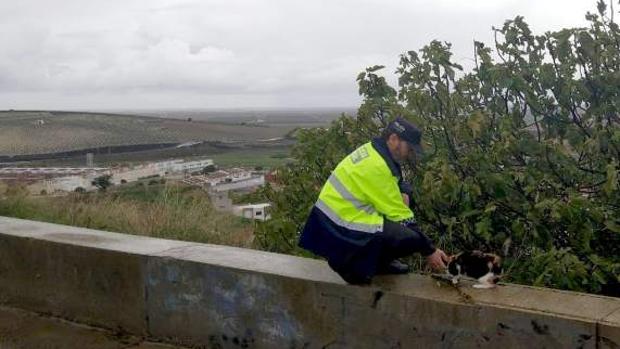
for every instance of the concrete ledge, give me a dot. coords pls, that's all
(223, 297)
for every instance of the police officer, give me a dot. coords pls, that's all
(361, 222)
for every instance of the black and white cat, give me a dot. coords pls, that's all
(483, 267)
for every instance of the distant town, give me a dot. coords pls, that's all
(202, 173)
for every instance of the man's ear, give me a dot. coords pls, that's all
(393, 138)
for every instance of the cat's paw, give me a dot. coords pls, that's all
(484, 286)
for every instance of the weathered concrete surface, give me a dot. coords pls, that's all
(222, 297)
(88, 276)
(191, 301)
(21, 329)
(609, 331)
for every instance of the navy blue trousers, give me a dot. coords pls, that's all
(395, 241)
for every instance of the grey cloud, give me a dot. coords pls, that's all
(232, 53)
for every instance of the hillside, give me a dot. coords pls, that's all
(41, 132)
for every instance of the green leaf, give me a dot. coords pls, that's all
(612, 225)
(611, 184)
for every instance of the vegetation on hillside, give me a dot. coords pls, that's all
(523, 152)
(168, 211)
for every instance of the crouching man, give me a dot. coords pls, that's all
(361, 222)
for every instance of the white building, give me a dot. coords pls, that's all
(222, 181)
(64, 184)
(229, 176)
(133, 174)
(33, 172)
(54, 179)
(72, 182)
(160, 168)
(175, 166)
(247, 183)
(256, 211)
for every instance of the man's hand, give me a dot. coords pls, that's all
(405, 199)
(438, 260)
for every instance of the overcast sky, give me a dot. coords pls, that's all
(109, 54)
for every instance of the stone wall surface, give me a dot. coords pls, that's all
(224, 297)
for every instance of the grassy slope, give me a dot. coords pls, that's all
(168, 211)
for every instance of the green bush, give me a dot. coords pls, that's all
(102, 182)
(522, 156)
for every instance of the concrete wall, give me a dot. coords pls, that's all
(223, 297)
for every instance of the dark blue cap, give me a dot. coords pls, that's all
(407, 132)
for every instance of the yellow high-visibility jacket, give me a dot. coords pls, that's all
(362, 191)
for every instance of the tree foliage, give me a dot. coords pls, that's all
(523, 152)
(102, 182)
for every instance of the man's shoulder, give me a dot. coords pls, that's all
(363, 152)
(365, 160)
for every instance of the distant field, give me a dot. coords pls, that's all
(266, 156)
(39, 132)
(279, 117)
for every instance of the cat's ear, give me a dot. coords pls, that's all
(493, 258)
(453, 268)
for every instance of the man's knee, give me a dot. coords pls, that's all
(350, 275)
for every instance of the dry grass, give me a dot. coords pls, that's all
(170, 211)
